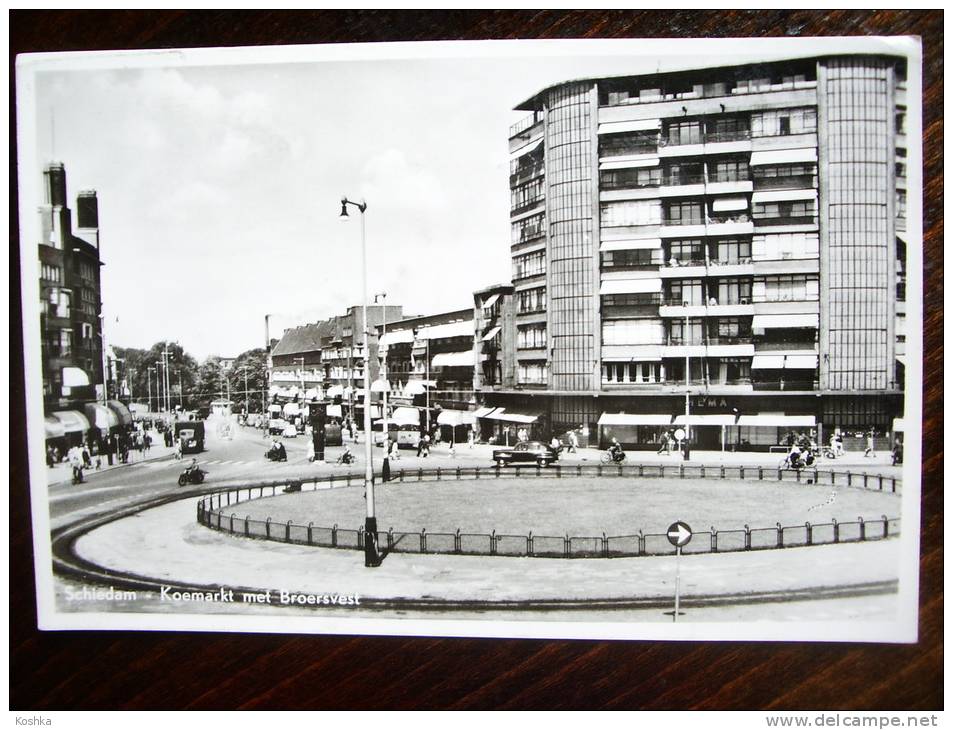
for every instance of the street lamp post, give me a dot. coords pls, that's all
(385, 442)
(372, 557)
(265, 379)
(688, 388)
(149, 385)
(160, 404)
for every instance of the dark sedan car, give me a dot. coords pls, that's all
(534, 452)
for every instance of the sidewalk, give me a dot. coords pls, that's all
(62, 473)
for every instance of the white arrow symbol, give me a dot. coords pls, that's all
(680, 533)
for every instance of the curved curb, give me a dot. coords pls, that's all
(67, 563)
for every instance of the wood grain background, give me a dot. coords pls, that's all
(78, 670)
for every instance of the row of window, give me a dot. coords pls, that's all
(528, 228)
(530, 264)
(643, 89)
(532, 300)
(531, 336)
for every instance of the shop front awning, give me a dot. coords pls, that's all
(405, 416)
(727, 204)
(336, 391)
(771, 196)
(291, 409)
(312, 394)
(635, 419)
(631, 286)
(464, 358)
(101, 416)
(455, 418)
(334, 411)
(800, 362)
(74, 377)
(483, 412)
(502, 414)
(492, 332)
(782, 157)
(491, 301)
(73, 421)
(777, 419)
(54, 427)
(706, 419)
(631, 244)
(767, 362)
(274, 408)
(899, 425)
(396, 337)
(636, 125)
(781, 321)
(122, 413)
(441, 331)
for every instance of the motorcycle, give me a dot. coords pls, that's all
(276, 455)
(346, 458)
(192, 475)
(610, 458)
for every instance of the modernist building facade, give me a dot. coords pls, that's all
(70, 301)
(720, 250)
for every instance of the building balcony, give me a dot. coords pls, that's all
(788, 182)
(802, 384)
(522, 129)
(526, 173)
(609, 150)
(788, 264)
(786, 224)
(676, 308)
(704, 147)
(528, 205)
(787, 346)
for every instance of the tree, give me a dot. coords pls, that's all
(249, 367)
(143, 382)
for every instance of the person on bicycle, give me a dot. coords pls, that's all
(615, 451)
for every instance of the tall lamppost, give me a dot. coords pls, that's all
(372, 556)
(149, 371)
(688, 387)
(160, 401)
(384, 386)
(265, 379)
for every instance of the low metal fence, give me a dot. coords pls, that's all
(215, 511)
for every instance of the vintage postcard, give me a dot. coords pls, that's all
(595, 339)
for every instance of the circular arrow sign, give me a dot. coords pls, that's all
(679, 534)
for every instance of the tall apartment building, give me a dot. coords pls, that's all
(723, 242)
(70, 301)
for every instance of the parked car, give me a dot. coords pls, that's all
(534, 452)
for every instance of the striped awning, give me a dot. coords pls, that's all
(101, 416)
(73, 421)
(54, 427)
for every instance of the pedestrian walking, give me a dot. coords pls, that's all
(471, 437)
(178, 449)
(869, 451)
(573, 442)
(75, 456)
(87, 461)
(394, 451)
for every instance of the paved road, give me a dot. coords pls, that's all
(242, 458)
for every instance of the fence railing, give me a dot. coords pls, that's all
(215, 512)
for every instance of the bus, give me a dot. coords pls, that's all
(404, 434)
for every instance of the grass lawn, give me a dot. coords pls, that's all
(577, 506)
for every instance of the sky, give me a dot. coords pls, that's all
(220, 185)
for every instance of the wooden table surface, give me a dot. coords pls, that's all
(80, 670)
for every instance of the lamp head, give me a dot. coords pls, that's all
(344, 209)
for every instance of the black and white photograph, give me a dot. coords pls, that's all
(615, 339)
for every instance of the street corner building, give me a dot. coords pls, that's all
(719, 250)
(80, 384)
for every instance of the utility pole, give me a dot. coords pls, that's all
(264, 381)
